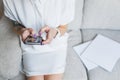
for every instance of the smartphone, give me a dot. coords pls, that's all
(31, 40)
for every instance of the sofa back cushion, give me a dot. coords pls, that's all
(101, 14)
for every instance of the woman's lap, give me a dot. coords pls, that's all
(45, 63)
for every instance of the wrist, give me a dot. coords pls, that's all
(19, 30)
(62, 29)
(22, 30)
(57, 32)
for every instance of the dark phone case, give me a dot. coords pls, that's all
(37, 40)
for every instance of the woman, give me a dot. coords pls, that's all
(47, 61)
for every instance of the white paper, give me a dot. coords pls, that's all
(79, 50)
(103, 52)
(89, 65)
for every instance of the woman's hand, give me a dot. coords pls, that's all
(26, 32)
(52, 32)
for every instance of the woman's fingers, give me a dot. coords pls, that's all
(50, 35)
(31, 31)
(25, 34)
(47, 41)
(44, 29)
(48, 38)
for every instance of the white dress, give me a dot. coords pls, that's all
(49, 58)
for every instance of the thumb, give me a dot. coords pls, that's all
(31, 31)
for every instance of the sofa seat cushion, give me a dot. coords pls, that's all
(98, 73)
(75, 70)
(10, 52)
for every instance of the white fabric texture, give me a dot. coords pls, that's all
(46, 63)
(36, 14)
(26, 12)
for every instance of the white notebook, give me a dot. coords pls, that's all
(103, 52)
(79, 50)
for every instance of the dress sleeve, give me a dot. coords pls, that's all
(68, 11)
(7, 10)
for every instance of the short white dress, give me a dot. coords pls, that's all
(49, 58)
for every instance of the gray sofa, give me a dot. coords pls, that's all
(92, 17)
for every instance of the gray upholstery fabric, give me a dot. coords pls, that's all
(99, 73)
(89, 34)
(1, 78)
(74, 69)
(10, 52)
(20, 76)
(103, 14)
(74, 37)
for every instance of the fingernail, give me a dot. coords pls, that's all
(40, 33)
(34, 35)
